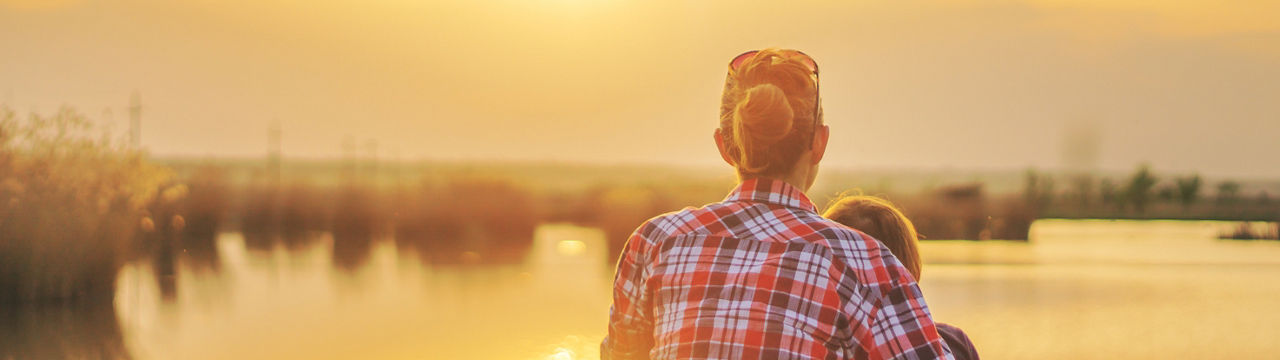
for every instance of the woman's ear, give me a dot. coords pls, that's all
(724, 152)
(819, 146)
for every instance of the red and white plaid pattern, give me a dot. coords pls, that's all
(762, 276)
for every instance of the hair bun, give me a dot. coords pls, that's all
(762, 118)
(765, 114)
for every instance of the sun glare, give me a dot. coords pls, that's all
(571, 247)
(561, 354)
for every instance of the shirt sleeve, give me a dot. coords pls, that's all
(902, 325)
(630, 324)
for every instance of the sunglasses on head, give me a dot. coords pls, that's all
(803, 58)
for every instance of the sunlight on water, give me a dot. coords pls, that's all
(561, 354)
(1109, 289)
(1079, 290)
(571, 247)
(575, 348)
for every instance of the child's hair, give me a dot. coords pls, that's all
(880, 219)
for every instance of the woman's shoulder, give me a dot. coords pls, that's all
(670, 223)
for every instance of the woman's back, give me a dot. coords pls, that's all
(762, 275)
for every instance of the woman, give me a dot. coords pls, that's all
(880, 219)
(761, 275)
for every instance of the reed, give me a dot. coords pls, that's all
(292, 214)
(469, 219)
(358, 217)
(205, 209)
(71, 207)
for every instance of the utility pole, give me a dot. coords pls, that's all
(273, 152)
(396, 164)
(349, 159)
(371, 166)
(135, 121)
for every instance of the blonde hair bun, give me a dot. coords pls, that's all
(762, 118)
(764, 110)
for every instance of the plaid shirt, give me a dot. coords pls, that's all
(762, 276)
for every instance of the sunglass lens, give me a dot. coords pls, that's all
(740, 59)
(804, 58)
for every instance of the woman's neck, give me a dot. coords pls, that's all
(799, 181)
(801, 175)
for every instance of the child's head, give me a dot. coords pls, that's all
(880, 219)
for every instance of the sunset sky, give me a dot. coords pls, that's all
(1184, 85)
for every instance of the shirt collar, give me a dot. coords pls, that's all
(771, 191)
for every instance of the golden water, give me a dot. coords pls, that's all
(1079, 290)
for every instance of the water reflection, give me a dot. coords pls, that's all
(352, 251)
(1078, 290)
(61, 332)
(195, 254)
(571, 247)
(165, 273)
(201, 254)
(408, 297)
(472, 247)
(1109, 289)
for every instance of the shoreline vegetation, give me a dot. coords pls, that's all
(75, 205)
(466, 213)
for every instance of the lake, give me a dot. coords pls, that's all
(1077, 290)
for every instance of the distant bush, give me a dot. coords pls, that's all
(71, 207)
(205, 209)
(1247, 231)
(260, 215)
(356, 213)
(358, 217)
(292, 214)
(303, 212)
(484, 219)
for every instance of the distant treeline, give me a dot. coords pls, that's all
(466, 214)
(462, 215)
(1146, 195)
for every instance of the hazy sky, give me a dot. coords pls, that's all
(1184, 85)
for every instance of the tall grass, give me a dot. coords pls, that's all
(162, 237)
(292, 214)
(205, 209)
(202, 202)
(71, 205)
(468, 220)
(358, 218)
(84, 331)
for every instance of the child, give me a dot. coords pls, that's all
(880, 219)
